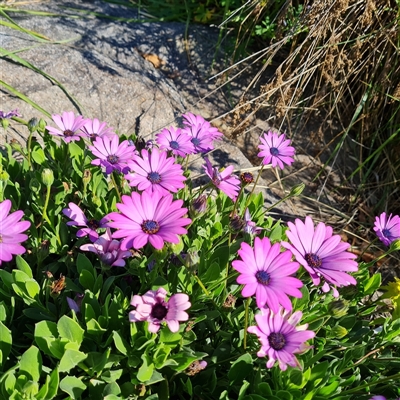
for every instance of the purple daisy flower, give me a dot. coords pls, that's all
(10, 114)
(108, 250)
(153, 308)
(276, 150)
(265, 272)
(387, 229)
(224, 180)
(321, 253)
(176, 141)
(201, 132)
(94, 128)
(280, 338)
(250, 226)
(148, 217)
(10, 232)
(69, 126)
(112, 155)
(154, 172)
(378, 397)
(79, 219)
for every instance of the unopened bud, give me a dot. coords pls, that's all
(246, 178)
(87, 176)
(15, 145)
(395, 245)
(199, 205)
(47, 177)
(236, 223)
(338, 332)
(338, 308)
(5, 122)
(192, 258)
(297, 190)
(32, 124)
(41, 125)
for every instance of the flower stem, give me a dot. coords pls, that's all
(44, 214)
(115, 186)
(246, 322)
(28, 148)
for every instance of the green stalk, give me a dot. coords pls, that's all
(246, 322)
(44, 214)
(116, 186)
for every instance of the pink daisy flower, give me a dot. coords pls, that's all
(10, 232)
(94, 128)
(153, 308)
(250, 226)
(79, 219)
(155, 172)
(112, 155)
(9, 114)
(387, 229)
(276, 150)
(265, 272)
(224, 180)
(176, 141)
(69, 126)
(148, 217)
(108, 250)
(201, 132)
(280, 338)
(321, 253)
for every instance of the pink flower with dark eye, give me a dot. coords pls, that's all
(321, 253)
(153, 307)
(79, 219)
(266, 272)
(387, 229)
(94, 128)
(223, 180)
(69, 126)
(176, 141)
(280, 338)
(147, 218)
(10, 232)
(276, 150)
(108, 250)
(155, 172)
(112, 155)
(201, 132)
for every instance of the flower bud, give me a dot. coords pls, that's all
(192, 258)
(32, 124)
(236, 223)
(297, 190)
(15, 145)
(199, 205)
(395, 245)
(5, 122)
(87, 176)
(41, 125)
(338, 308)
(47, 177)
(246, 178)
(338, 332)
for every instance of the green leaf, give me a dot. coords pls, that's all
(73, 386)
(146, 369)
(22, 265)
(83, 263)
(70, 359)
(168, 337)
(372, 284)
(5, 342)
(38, 155)
(111, 389)
(69, 329)
(240, 369)
(319, 371)
(30, 364)
(120, 343)
(50, 389)
(86, 279)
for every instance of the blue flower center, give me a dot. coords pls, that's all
(195, 141)
(174, 145)
(93, 224)
(150, 227)
(274, 151)
(68, 133)
(154, 177)
(263, 277)
(159, 311)
(313, 260)
(277, 340)
(112, 159)
(386, 233)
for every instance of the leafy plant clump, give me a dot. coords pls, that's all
(123, 277)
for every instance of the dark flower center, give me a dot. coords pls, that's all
(274, 151)
(196, 141)
(154, 177)
(386, 233)
(93, 224)
(313, 260)
(68, 132)
(277, 340)
(159, 311)
(246, 177)
(112, 159)
(151, 227)
(263, 277)
(174, 145)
